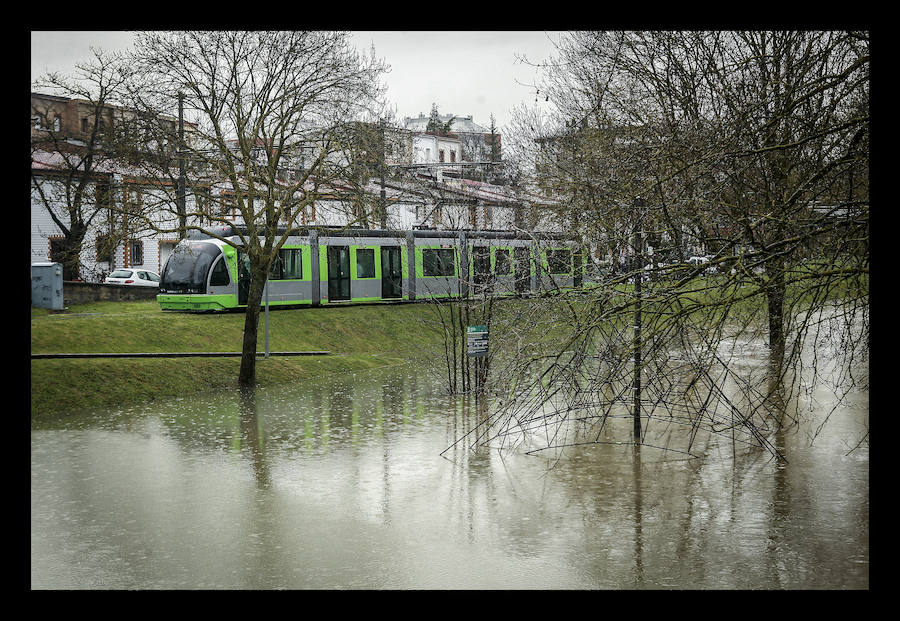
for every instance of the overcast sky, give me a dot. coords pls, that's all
(464, 72)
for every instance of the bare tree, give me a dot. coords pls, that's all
(750, 148)
(269, 109)
(73, 155)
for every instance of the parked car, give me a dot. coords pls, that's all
(703, 260)
(137, 278)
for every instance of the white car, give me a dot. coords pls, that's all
(712, 269)
(137, 278)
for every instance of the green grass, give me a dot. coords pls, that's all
(358, 337)
(128, 327)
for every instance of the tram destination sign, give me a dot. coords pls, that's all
(477, 341)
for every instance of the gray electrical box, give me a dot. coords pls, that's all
(47, 285)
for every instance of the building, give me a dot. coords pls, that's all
(428, 193)
(476, 142)
(77, 178)
(436, 149)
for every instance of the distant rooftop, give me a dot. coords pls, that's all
(461, 124)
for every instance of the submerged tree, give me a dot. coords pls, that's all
(270, 111)
(749, 148)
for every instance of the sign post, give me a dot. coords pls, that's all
(477, 341)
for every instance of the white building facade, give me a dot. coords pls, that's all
(432, 149)
(425, 199)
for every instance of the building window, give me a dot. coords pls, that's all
(106, 248)
(85, 124)
(227, 204)
(203, 205)
(441, 155)
(136, 250)
(132, 197)
(452, 156)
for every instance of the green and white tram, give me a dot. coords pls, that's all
(319, 266)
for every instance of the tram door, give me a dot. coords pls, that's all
(338, 273)
(481, 264)
(522, 269)
(391, 274)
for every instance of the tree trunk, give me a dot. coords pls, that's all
(775, 294)
(247, 374)
(72, 253)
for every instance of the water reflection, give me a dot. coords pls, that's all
(638, 517)
(345, 483)
(251, 438)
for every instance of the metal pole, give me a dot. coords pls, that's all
(182, 209)
(638, 241)
(382, 206)
(267, 320)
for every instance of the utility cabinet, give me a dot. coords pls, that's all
(47, 285)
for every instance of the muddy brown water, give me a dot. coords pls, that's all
(342, 485)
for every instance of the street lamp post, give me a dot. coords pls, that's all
(638, 273)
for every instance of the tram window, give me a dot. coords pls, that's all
(291, 266)
(287, 265)
(277, 268)
(188, 267)
(559, 261)
(365, 263)
(219, 276)
(502, 261)
(438, 262)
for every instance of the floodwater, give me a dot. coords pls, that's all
(342, 485)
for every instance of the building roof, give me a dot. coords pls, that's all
(461, 124)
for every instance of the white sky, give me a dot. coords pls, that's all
(464, 72)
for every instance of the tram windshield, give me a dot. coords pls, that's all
(187, 268)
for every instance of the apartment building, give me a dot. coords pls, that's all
(62, 129)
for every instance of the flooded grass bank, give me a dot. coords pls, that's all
(358, 338)
(342, 484)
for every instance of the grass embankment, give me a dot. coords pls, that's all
(358, 337)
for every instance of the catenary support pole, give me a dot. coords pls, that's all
(638, 272)
(182, 208)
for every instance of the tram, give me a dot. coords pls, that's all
(322, 266)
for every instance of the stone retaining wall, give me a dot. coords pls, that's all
(79, 292)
